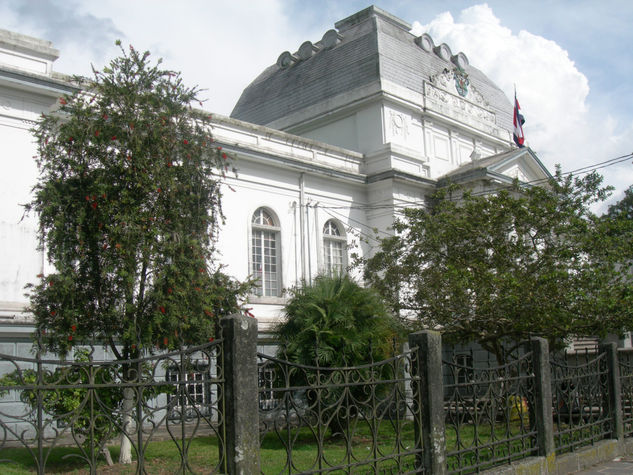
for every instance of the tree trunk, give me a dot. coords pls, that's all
(106, 455)
(125, 456)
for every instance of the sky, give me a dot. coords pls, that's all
(570, 60)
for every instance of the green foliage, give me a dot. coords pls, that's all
(128, 200)
(505, 266)
(335, 322)
(72, 405)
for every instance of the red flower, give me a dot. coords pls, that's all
(224, 155)
(63, 101)
(165, 341)
(53, 312)
(208, 313)
(169, 290)
(118, 245)
(168, 164)
(87, 198)
(50, 284)
(94, 205)
(162, 309)
(211, 338)
(73, 328)
(133, 346)
(159, 189)
(105, 116)
(219, 148)
(70, 338)
(105, 246)
(186, 142)
(114, 137)
(40, 275)
(97, 133)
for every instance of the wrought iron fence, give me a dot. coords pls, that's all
(359, 419)
(580, 399)
(487, 412)
(625, 361)
(380, 418)
(85, 404)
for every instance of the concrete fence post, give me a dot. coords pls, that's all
(241, 396)
(542, 409)
(430, 396)
(614, 402)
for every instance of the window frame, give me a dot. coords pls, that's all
(258, 232)
(328, 242)
(196, 376)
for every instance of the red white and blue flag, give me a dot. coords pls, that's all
(519, 139)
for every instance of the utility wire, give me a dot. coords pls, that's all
(538, 181)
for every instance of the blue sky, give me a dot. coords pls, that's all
(570, 59)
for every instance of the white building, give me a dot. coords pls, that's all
(331, 141)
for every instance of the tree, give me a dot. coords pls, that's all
(502, 267)
(616, 242)
(335, 323)
(128, 201)
(69, 406)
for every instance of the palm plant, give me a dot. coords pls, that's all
(335, 323)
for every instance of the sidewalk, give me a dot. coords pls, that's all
(618, 466)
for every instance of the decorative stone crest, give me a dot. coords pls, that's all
(461, 81)
(398, 125)
(442, 79)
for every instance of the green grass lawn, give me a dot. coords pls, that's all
(163, 457)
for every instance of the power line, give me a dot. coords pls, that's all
(578, 171)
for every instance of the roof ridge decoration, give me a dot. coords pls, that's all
(329, 40)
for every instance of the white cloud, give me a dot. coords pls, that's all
(219, 46)
(223, 46)
(561, 125)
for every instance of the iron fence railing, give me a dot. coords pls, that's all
(625, 362)
(359, 419)
(86, 403)
(487, 412)
(580, 399)
(415, 412)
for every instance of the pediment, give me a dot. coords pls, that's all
(524, 165)
(521, 163)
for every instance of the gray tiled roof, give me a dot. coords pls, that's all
(375, 47)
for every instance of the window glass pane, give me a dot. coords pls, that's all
(264, 259)
(331, 229)
(262, 218)
(333, 252)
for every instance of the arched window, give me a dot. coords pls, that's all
(265, 254)
(334, 248)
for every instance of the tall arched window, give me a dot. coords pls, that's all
(265, 254)
(334, 248)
